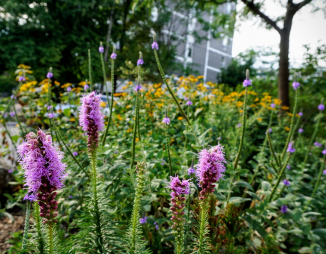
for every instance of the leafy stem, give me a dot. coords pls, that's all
(26, 227)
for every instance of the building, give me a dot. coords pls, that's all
(207, 57)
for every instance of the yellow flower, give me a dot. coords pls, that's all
(65, 85)
(102, 104)
(128, 106)
(297, 115)
(23, 66)
(137, 139)
(56, 83)
(106, 122)
(285, 107)
(257, 99)
(287, 128)
(180, 118)
(289, 114)
(72, 120)
(129, 130)
(259, 119)
(277, 101)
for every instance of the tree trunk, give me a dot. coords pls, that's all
(283, 73)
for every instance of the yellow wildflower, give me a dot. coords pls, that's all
(180, 118)
(285, 107)
(287, 128)
(72, 119)
(259, 119)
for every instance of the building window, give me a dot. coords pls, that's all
(225, 43)
(223, 62)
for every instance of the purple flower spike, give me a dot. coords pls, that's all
(12, 114)
(321, 107)
(318, 144)
(295, 85)
(143, 220)
(75, 154)
(300, 130)
(191, 170)
(140, 62)
(288, 166)
(101, 49)
(247, 82)
(273, 105)
(49, 75)
(300, 114)
(21, 78)
(68, 89)
(286, 182)
(91, 119)
(113, 55)
(155, 45)
(166, 120)
(137, 88)
(44, 172)
(284, 209)
(189, 103)
(49, 107)
(324, 152)
(210, 169)
(156, 225)
(86, 87)
(290, 148)
(51, 115)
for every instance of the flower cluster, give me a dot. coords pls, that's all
(44, 172)
(210, 169)
(91, 119)
(295, 85)
(291, 149)
(166, 120)
(154, 45)
(247, 82)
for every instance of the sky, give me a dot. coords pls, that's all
(307, 28)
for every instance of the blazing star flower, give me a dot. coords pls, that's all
(191, 170)
(166, 120)
(318, 144)
(137, 88)
(113, 55)
(21, 78)
(295, 85)
(86, 87)
(143, 220)
(68, 89)
(286, 182)
(290, 148)
(51, 115)
(140, 62)
(189, 103)
(273, 105)
(44, 172)
(91, 119)
(74, 153)
(101, 49)
(154, 45)
(247, 82)
(178, 187)
(156, 225)
(284, 209)
(239, 125)
(12, 114)
(210, 169)
(49, 75)
(288, 166)
(300, 130)
(321, 107)
(324, 152)
(300, 114)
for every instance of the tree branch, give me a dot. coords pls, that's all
(303, 3)
(255, 10)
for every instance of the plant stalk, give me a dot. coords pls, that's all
(26, 227)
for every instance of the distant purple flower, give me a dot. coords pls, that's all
(75, 154)
(44, 172)
(219, 138)
(10, 171)
(5, 115)
(70, 197)
(324, 152)
(12, 113)
(156, 225)
(300, 130)
(284, 209)
(49, 75)
(210, 169)
(51, 115)
(189, 103)
(288, 166)
(163, 162)
(295, 85)
(116, 152)
(185, 98)
(290, 148)
(113, 55)
(317, 144)
(286, 182)
(143, 220)
(239, 125)
(49, 107)
(86, 87)
(270, 130)
(273, 105)
(324, 172)
(101, 49)
(137, 88)
(91, 119)
(321, 107)
(21, 78)
(12, 96)
(166, 120)
(68, 89)
(140, 62)
(247, 82)
(154, 45)
(191, 170)
(300, 114)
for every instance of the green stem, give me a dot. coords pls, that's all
(9, 103)
(26, 227)
(134, 135)
(203, 225)
(292, 122)
(111, 105)
(279, 178)
(310, 141)
(317, 183)
(280, 194)
(49, 104)
(38, 229)
(90, 70)
(20, 127)
(243, 130)
(50, 239)
(13, 143)
(69, 151)
(168, 148)
(104, 76)
(272, 149)
(172, 94)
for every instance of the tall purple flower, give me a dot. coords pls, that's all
(154, 45)
(143, 220)
(156, 225)
(286, 182)
(300, 130)
(49, 75)
(86, 87)
(284, 209)
(321, 107)
(247, 82)
(137, 88)
(324, 171)
(101, 49)
(113, 55)
(210, 169)
(324, 152)
(51, 115)
(300, 114)
(91, 119)
(21, 78)
(166, 120)
(140, 62)
(12, 113)
(44, 172)
(288, 166)
(295, 85)
(75, 154)
(273, 105)
(317, 144)
(68, 89)
(290, 148)
(189, 103)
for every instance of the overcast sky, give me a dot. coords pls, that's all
(307, 28)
